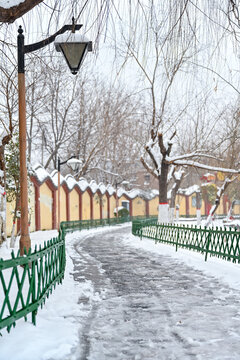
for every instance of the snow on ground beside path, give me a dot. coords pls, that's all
(222, 269)
(58, 322)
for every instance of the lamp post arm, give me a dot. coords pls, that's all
(64, 162)
(39, 45)
(24, 49)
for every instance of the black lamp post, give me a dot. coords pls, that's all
(74, 53)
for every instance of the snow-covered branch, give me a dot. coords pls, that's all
(149, 168)
(206, 167)
(191, 155)
(220, 192)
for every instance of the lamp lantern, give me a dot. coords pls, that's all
(74, 48)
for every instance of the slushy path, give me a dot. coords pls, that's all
(151, 306)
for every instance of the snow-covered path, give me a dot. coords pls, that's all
(151, 306)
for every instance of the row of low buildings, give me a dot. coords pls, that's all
(81, 200)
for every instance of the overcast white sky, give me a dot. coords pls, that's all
(192, 82)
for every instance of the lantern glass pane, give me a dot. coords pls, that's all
(74, 53)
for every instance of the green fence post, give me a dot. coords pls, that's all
(177, 240)
(207, 245)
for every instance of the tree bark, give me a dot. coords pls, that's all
(163, 208)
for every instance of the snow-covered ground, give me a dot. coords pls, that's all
(85, 314)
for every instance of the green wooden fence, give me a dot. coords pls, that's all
(26, 281)
(89, 224)
(219, 242)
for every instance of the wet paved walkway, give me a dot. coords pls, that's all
(152, 306)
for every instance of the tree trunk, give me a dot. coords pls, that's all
(218, 198)
(2, 197)
(175, 189)
(163, 208)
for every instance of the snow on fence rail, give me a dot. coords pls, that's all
(219, 242)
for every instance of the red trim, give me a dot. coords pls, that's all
(91, 203)
(68, 207)
(147, 207)
(187, 205)
(224, 204)
(65, 188)
(37, 208)
(108, 205)
(130, 207)
(54, 209)
(36, 185)
(163, 203)
(100, 203)
(80, 205)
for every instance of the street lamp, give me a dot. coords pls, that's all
(74, 54)
(73, 163)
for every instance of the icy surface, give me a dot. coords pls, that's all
(152, 306)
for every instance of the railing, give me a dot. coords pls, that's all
(220, 242)
(88, 224)
(26, 281)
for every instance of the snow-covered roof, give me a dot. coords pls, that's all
(41, 175)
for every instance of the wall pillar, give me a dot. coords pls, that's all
(37, 207)
(54, 209)
(80, 205)
(147, 208)
(108, 205)
(187, 205)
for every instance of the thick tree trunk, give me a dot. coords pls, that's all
(163, 208)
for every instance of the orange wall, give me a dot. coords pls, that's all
(153, 206)
(74, 205)
(45, 207)
(86, 212)
(138, 207)
(104, 207)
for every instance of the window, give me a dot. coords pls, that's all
(125, 204)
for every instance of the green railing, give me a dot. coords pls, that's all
(26, 281)
(89, 224)
(220, 242)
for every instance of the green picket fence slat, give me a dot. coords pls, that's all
(221, 242)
